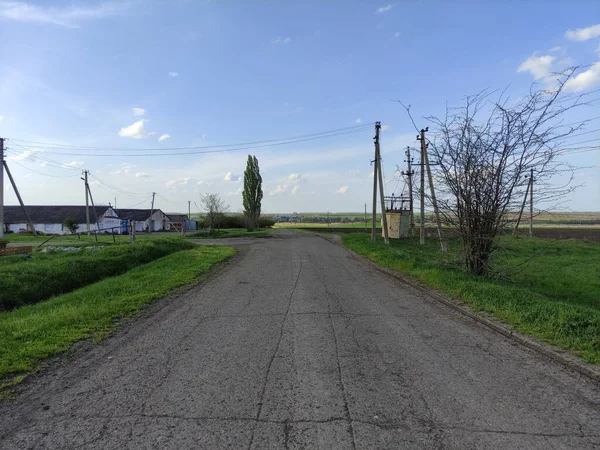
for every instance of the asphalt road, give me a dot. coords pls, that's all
(298, 344)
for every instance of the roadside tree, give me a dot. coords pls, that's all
(252, 194)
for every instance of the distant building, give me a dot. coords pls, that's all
(181, 220)
(160, 221)
(49, 218)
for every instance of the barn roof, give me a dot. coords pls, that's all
(135, 214)
(176, 217)
(50, 213)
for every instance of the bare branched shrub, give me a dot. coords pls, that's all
(484, 149)
(214, 207)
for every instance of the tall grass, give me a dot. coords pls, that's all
(26, 279)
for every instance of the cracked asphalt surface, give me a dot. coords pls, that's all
(299, 344)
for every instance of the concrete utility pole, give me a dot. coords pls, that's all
(523, 205)
(94, 209)
(409, 174)
(436, 211)
(422, 139)
(14, 185)
(1, 187)
(151, 224)
(374, 224)
(380, 176)
(531, 202)
(87, 202)
(189, 210)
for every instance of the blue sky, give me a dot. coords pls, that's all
(162, 74)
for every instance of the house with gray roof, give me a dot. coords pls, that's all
(49, 218)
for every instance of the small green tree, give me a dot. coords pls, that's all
(253, 194)
(70, 223)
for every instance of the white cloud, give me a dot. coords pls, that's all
(295, 189)
(383, 9)
(142, 175)
(135, 130)
(138, 111)
(583, 34)
(385, 127)
(164, 137)
(177, 182)
(235, 193)
(294, 177)
(397, 34)
(357, 121)
(342, 190)
(173, 74)
(74, 164)
(281, 40)
(69, 17)
(556, 48)
(585, 80)
(230, 176)
(29, 155)
(1, 118)
(280, 189)
(539, 66)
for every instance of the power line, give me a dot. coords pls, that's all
(163, 149)
(208, 151)
(42, 173)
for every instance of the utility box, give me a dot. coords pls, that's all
(398, 223)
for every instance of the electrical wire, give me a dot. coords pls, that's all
(208, 151)
(308, 136)
(42, 173)
(137, 204)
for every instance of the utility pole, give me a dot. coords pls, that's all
(189, 210)
(1, 188)
(523, 205)
(374, 224)
(115, 202)
(436, 211)
(87, 201)
(409, 174)
(422, 139)
(531, 202)
(365, 217)
(150, 225)
(94, 209)
(14, 185)
(380, 176)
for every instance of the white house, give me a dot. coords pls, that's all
(49, 218)
(160, 221)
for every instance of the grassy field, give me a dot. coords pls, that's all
(38, 276)
(547, 289)
(32, 333)
(230, 233)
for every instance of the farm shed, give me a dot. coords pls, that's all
(49, 218)
(179, 220)
(160, 220)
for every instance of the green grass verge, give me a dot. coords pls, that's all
(231, 233)
(549, 290)
(35, 332)
(35, 277)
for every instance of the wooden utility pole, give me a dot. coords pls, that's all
(365, 217)
(380, 177)
(1, 188)
(436, 211)
(374, 224)
(531, 202)
(409, 174)
(151, 224)
(422, 139)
